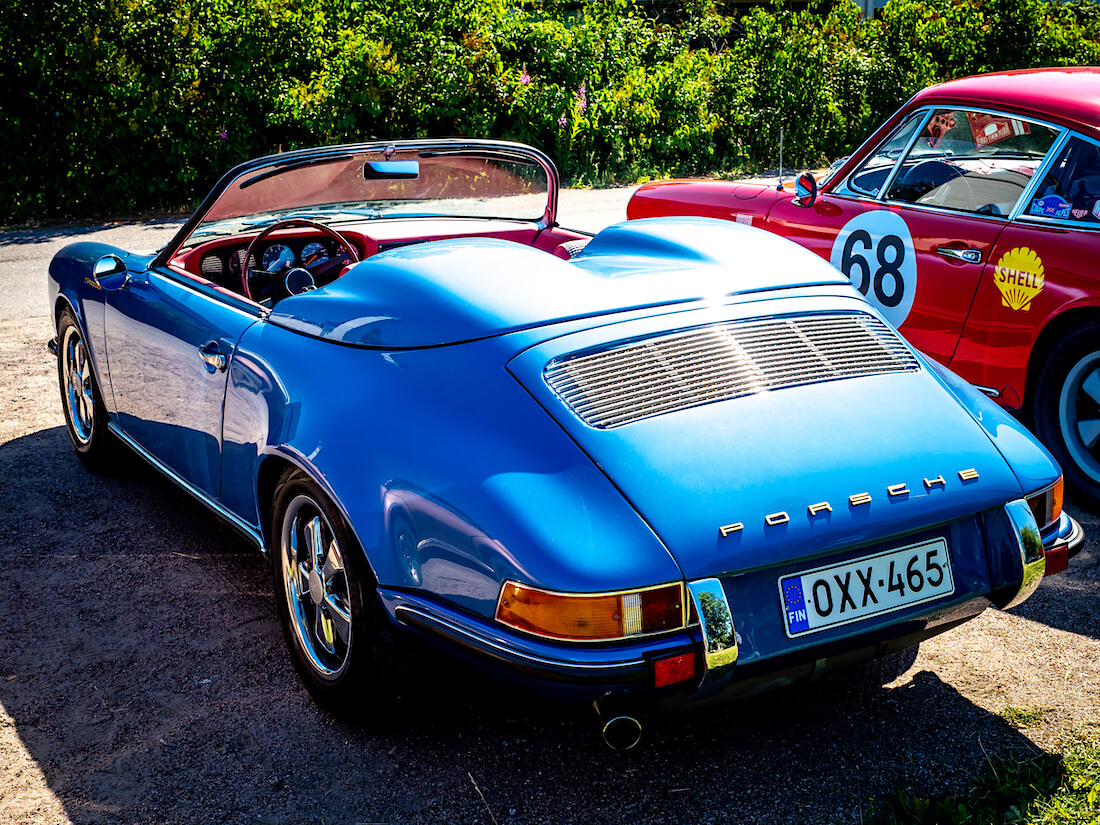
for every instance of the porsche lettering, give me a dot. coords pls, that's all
(893, 491)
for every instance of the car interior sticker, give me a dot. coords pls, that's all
(875, 251)
(1052, 206)
(1019, 277)
(989, 129)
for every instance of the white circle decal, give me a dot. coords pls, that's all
(875, 251)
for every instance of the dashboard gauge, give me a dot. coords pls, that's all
(277, 257)
(212, 267)
(314, 253)
(235, 261)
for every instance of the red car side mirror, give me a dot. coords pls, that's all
(805, 189)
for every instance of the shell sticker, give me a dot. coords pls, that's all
(1019, 277)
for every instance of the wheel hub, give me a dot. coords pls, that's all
(316, 587)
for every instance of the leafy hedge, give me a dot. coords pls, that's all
(121, 105)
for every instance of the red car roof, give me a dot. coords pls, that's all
(1069, 95)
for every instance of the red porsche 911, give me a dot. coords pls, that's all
(971, 218)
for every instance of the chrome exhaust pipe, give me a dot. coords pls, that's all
(619, 725)
(621, 733)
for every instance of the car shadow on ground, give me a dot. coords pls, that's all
(148, 681)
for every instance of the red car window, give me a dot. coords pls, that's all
(971, 162)
(1070, 191)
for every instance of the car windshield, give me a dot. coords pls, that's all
(380, 182)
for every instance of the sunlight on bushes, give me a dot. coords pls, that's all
(122, 105)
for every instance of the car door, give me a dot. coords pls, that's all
(913, 227)
(169, 342)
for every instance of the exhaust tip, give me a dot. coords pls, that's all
(621, 733)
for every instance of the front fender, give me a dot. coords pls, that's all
(70, 283)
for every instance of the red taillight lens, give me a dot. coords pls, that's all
(1046, 506)
(673, 669)
(591, 616)
(1057, 561)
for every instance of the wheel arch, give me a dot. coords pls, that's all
(1056, 329)
(270, 471)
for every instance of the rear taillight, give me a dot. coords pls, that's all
(1046, 505)
(592, 617)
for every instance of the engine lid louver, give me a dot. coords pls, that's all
(670, 372)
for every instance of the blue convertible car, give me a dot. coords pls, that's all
(681, 460)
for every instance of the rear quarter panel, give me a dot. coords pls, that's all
(441, 443)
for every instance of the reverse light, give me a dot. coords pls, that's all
(1046, 505)
(592, 617)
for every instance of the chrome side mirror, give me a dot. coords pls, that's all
(805, 190)
(107, 268)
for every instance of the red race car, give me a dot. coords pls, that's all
(971, 219)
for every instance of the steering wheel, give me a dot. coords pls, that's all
(321, 270)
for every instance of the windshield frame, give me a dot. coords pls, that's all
(273, 164)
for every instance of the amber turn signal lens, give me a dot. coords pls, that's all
(591, 616)
(1046, 506)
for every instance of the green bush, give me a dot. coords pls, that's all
(118, 106)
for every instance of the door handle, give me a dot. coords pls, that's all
(213, 357)
(968, 256)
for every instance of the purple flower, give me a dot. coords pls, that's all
(223, 135)
(582, 99)
(525, 78)
(562, 121)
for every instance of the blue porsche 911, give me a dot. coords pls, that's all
(678, 461)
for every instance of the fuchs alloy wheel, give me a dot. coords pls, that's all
(85, 415)
(1067, 407)
(339, 637)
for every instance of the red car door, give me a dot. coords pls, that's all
(919, 267)
(914, 226)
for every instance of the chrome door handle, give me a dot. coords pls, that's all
(214, 360)
(969, 256)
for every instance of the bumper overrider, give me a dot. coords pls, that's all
(651, 669)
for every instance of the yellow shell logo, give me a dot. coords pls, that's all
(1019, 277)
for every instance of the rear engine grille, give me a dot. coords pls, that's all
(718, 362)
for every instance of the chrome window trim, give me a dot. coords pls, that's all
(846, 187)
(1062, 135)
(889, 182)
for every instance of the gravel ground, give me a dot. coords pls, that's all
(143, 678)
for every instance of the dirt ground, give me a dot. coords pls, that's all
(143, 679)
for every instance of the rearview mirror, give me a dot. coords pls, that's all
(805, 190)
(391, 170)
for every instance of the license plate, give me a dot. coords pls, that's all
(833, 595)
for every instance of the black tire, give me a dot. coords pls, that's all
(81, 401)
(1066, 407)
(340, 639)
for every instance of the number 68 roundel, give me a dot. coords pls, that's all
(875, 251)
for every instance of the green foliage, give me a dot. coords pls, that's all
(1023, 717)
(1047, 790)
(124, 105)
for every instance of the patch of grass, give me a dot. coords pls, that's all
(1051, 789)
(1023, 717)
